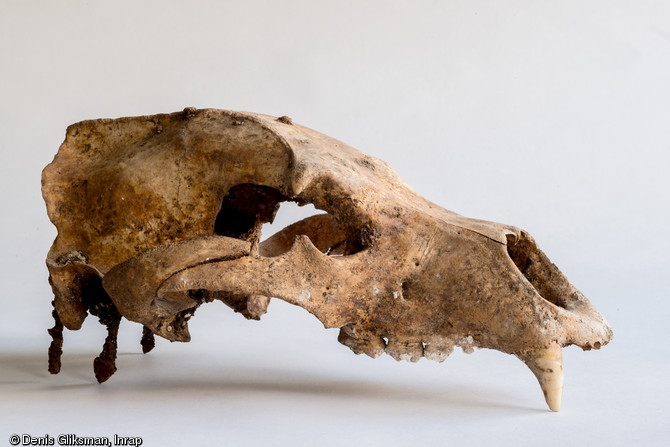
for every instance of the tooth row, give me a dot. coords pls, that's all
(374, 346)
(410, 352)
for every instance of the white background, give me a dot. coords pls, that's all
(552, 116)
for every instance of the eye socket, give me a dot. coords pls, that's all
(288, 214)
(248, 209)
(534, 265)
(245, 209)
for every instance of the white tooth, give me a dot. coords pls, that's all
(547, 365)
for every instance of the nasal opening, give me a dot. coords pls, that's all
(534, 265)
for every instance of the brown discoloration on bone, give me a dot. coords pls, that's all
(148, 342)
(56, 346)
(104, 366)
(168, 209)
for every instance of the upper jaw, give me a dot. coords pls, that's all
(578, 320)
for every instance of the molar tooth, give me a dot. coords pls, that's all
(438, 352)
(349, 330)
(374, 347)
(370, 345)
(257, 305)
(467, 344)
(408, 351)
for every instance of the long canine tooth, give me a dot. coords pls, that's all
(547, 365)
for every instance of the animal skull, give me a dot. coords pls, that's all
(159, 214)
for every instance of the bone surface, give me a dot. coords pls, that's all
(157, 215)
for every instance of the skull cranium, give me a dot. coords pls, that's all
(159, 214)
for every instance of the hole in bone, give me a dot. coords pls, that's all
(288, 213)
(200, 296)
(94, 297)
(538, 270)
(292, 220)
(244, 209)
(247, 207)
(406, 290)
